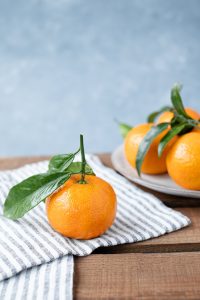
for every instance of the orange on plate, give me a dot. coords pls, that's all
(183, 161)
(152, 164)
(82, 211)
(168, 115)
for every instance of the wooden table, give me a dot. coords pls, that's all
(167, 267)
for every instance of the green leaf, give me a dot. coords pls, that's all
(146, 143)
(124, 129)
(189, 124)
(59, 163)
(165, 140)
(30, 192)
(75, 168)
(177, 101)
(151, 118)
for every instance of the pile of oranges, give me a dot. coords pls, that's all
(180, 158)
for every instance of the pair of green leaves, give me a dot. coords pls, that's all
(180, 124)
(35, 189)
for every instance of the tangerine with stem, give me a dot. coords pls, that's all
(84, 207)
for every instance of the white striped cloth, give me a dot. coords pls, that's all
(53, 280)
(37, 263)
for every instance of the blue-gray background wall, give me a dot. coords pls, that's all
(71, 66)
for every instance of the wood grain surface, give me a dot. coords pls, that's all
(167, 267)
(138, 276)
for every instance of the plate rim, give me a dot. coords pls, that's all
(144, 182)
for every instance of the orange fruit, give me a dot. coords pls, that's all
(196, 129)
(192, 113)
(82, 211)
(183, 161)
(152, 164)
(168, 115)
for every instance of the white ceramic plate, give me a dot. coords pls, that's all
(160, 183)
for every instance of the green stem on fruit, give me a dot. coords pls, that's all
(83, 161)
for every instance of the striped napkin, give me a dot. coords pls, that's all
(37, 263)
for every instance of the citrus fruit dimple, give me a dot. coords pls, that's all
(152, 164)
(82, 211)
(183, 161)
